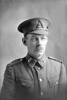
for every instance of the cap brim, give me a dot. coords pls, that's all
(40, 32)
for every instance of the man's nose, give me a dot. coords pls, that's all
(39, 41)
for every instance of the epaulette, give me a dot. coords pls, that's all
(55, 59)
(15, 61)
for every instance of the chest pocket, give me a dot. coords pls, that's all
(25, 85)
(24, 88)
(53, 73)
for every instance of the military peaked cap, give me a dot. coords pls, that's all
(33, 24)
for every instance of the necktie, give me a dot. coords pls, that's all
(38, 65)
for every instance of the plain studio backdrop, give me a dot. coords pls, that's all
(13, 12)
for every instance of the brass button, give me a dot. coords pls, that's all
(41, 93)
(38, 68)
(56, 83)
(40, 80)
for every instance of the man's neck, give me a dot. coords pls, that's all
(43, 57)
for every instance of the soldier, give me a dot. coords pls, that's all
(34, 77)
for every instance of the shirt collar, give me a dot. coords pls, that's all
(32, 61)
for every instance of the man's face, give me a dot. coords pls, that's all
(36, 44)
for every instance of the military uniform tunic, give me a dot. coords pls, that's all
(29, 79)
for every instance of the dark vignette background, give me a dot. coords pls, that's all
(12, 12)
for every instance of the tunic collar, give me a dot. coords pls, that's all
(32, 61)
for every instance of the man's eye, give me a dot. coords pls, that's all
(43, 38)
(33, 39)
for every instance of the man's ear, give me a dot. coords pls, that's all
(24, 41)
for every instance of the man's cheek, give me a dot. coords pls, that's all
(32, 48)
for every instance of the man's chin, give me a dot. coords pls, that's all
(38, 55)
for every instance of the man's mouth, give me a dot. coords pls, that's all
(39, 49)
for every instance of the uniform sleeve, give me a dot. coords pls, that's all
(8, 87)
(63, 83)
(63, 76)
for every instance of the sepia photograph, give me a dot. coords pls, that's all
(33, 49)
